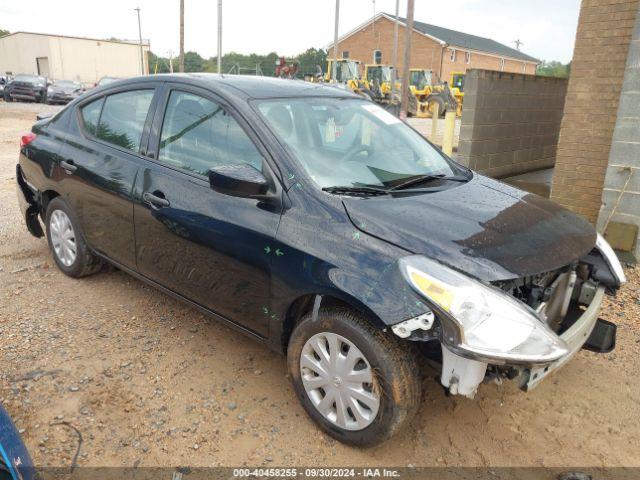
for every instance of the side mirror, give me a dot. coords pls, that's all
(241, 180)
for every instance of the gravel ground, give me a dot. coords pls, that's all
(149, 381)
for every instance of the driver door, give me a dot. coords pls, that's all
(204, 245)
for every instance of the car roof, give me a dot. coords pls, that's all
(249, 86)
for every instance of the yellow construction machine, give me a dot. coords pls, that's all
(379, 79)
(429, 94)
(348, 74)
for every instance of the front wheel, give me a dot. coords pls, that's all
(359, 384)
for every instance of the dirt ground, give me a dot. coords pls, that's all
(149, 381)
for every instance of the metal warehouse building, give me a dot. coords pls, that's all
(70, 58)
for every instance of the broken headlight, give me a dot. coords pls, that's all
(611, 258)
(479, 320)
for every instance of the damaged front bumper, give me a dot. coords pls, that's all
(575, 337)
(462, 376)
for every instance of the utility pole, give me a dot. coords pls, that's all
(335, 44)
(407, 61)
(395, 53)
(182, 35)
(373, 25)
(219, 36)
(140, 37)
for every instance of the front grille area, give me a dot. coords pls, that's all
(532, 290)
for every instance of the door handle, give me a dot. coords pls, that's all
(68, 166)
(154, 200)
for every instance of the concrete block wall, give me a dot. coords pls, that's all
(605, 30)
(624, 158)
(510, 122)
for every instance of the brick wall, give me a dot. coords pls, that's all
(624, 158)
(604, 33)
(425, 52)
(510, 122)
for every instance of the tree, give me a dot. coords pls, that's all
(193, 62)
(158, 64)
(554, 69)
(310, 58)
(4, 32)
(307, 61)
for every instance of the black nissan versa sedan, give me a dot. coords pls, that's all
(317, 222)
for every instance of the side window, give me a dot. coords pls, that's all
(197, 135)
(90, 115)
(123, 117)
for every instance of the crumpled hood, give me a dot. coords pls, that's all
(484, 228)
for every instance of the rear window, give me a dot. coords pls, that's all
(90, 115)
(123, 118)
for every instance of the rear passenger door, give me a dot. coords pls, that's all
(101, 162)
(211, 248)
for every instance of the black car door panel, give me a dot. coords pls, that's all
(209, 247)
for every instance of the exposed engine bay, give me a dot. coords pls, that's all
(567, 300)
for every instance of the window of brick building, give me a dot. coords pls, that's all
(502, 64)
(345, 54)
(452, 56)
(377, 57)
(467, 57)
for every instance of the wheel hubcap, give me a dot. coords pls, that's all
(339, 381)
(63, 237)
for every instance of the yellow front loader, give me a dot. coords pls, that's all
(457, 88)
(430, 95)
(348, 74)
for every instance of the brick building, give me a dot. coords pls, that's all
(598, 162)
(434, 48)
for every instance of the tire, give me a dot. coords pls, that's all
(392, 368)
(442, 106)
(82, 262)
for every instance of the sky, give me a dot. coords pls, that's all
(546, 27)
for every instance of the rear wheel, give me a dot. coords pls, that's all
(66, 242)
(360, 385)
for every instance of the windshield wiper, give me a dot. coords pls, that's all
(356, 190)
(426, 178)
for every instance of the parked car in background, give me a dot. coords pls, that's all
(106, 81)
(3, 81)
(26, 87)
(319, 223)
(63, 91)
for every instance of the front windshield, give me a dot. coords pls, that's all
(379, 74)
(420, 80)
(351, 142)
(347, 71)
(458, 82)
(29, 78)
